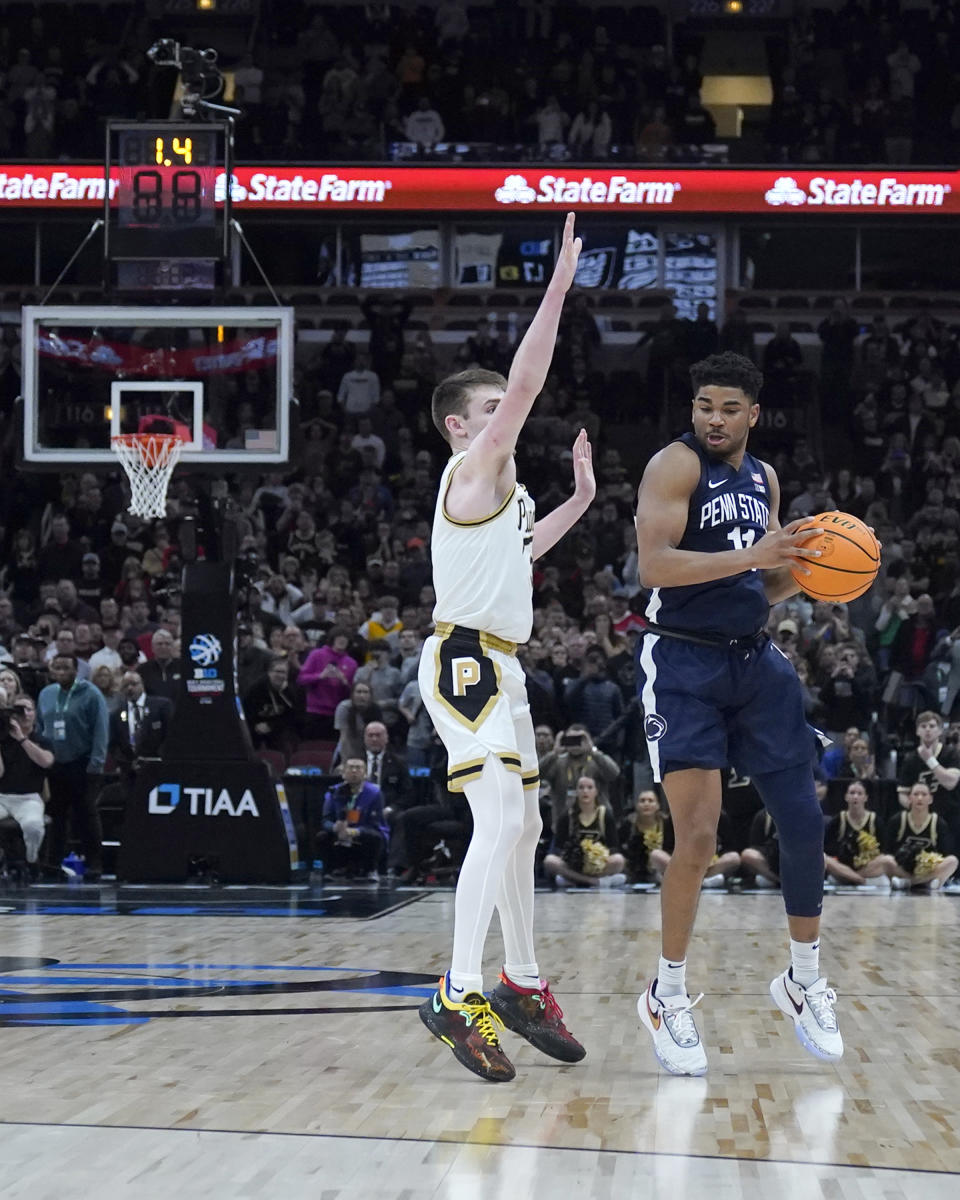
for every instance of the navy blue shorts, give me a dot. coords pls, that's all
(709, 707)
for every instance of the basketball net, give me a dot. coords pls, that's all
(149, 460)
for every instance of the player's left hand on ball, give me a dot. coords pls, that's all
(585, 484)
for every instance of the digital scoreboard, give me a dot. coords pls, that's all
(164, 231)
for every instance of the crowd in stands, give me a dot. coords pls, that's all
(335, 591)
(867, 83)
(862, 84)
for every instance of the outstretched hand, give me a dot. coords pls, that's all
(570, 247)
(585, 486)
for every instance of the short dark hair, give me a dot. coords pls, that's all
(71, 657)
(452, 395)
(727, 370)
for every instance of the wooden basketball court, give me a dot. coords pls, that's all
(165, 1049)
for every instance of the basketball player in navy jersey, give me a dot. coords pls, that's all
(715, 691)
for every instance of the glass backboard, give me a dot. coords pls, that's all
(220, 377)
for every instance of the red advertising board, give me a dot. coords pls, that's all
(524, 189)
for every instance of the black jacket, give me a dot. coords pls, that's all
(150, 734)
(161, 679)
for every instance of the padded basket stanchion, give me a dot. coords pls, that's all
(149, 460)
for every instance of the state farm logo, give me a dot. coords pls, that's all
(515, 190)
(785, 191)
(266, 186)
(890, 192)
(560, 189)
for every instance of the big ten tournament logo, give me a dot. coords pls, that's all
(200, 801)
(46, 991)
(205, 651)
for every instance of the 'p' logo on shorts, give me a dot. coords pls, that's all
(466, 674)
(467, 680)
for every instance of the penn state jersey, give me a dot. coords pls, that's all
(483, 569)
(729, 510)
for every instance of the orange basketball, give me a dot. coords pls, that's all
(849, 558)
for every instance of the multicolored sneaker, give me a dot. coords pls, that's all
(676, 1039)
(536, 1016)
(812, 1011)
(470, 1030)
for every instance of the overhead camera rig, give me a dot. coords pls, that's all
(200, 76)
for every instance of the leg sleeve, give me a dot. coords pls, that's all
(789, 796)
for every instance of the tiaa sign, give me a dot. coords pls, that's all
(200, 801)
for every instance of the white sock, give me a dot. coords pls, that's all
(460, 985)
(671, 978)
(525, 975)
(805, 962)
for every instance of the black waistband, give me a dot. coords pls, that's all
(750, 641)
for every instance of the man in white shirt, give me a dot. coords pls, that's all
(424, 125)
(107, 656)
(359, 390)
(365, 438)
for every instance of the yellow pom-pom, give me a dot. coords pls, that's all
(867, 849)
(927, 862)
(595, 856)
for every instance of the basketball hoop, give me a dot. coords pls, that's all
(149, 460)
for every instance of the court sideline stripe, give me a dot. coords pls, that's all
(366, 1137)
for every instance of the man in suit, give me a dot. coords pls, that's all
(354, 833)
(138, 728)
(386, 768)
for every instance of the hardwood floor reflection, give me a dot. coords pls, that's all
(305, 1027)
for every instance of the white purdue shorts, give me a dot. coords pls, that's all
(476, 694)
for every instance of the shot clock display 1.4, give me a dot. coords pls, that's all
(165, 183)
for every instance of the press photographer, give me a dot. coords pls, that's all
(24, 762)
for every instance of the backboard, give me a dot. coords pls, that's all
(221, 377)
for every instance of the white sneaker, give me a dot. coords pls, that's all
(611, 881)
(811, 1009)
(714, 881)
(676, 1040)
(899, 885)
(762, 882)
(561, 883)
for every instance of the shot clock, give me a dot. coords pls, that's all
(164, 229)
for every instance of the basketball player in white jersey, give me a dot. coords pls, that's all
(485, 538)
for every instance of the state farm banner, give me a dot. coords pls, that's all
(240, 354)
(369, 188)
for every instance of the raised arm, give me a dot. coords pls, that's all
(662, 503)
(551, 528)
(495, 445)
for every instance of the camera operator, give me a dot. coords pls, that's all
(24, 762)
(573, 756)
